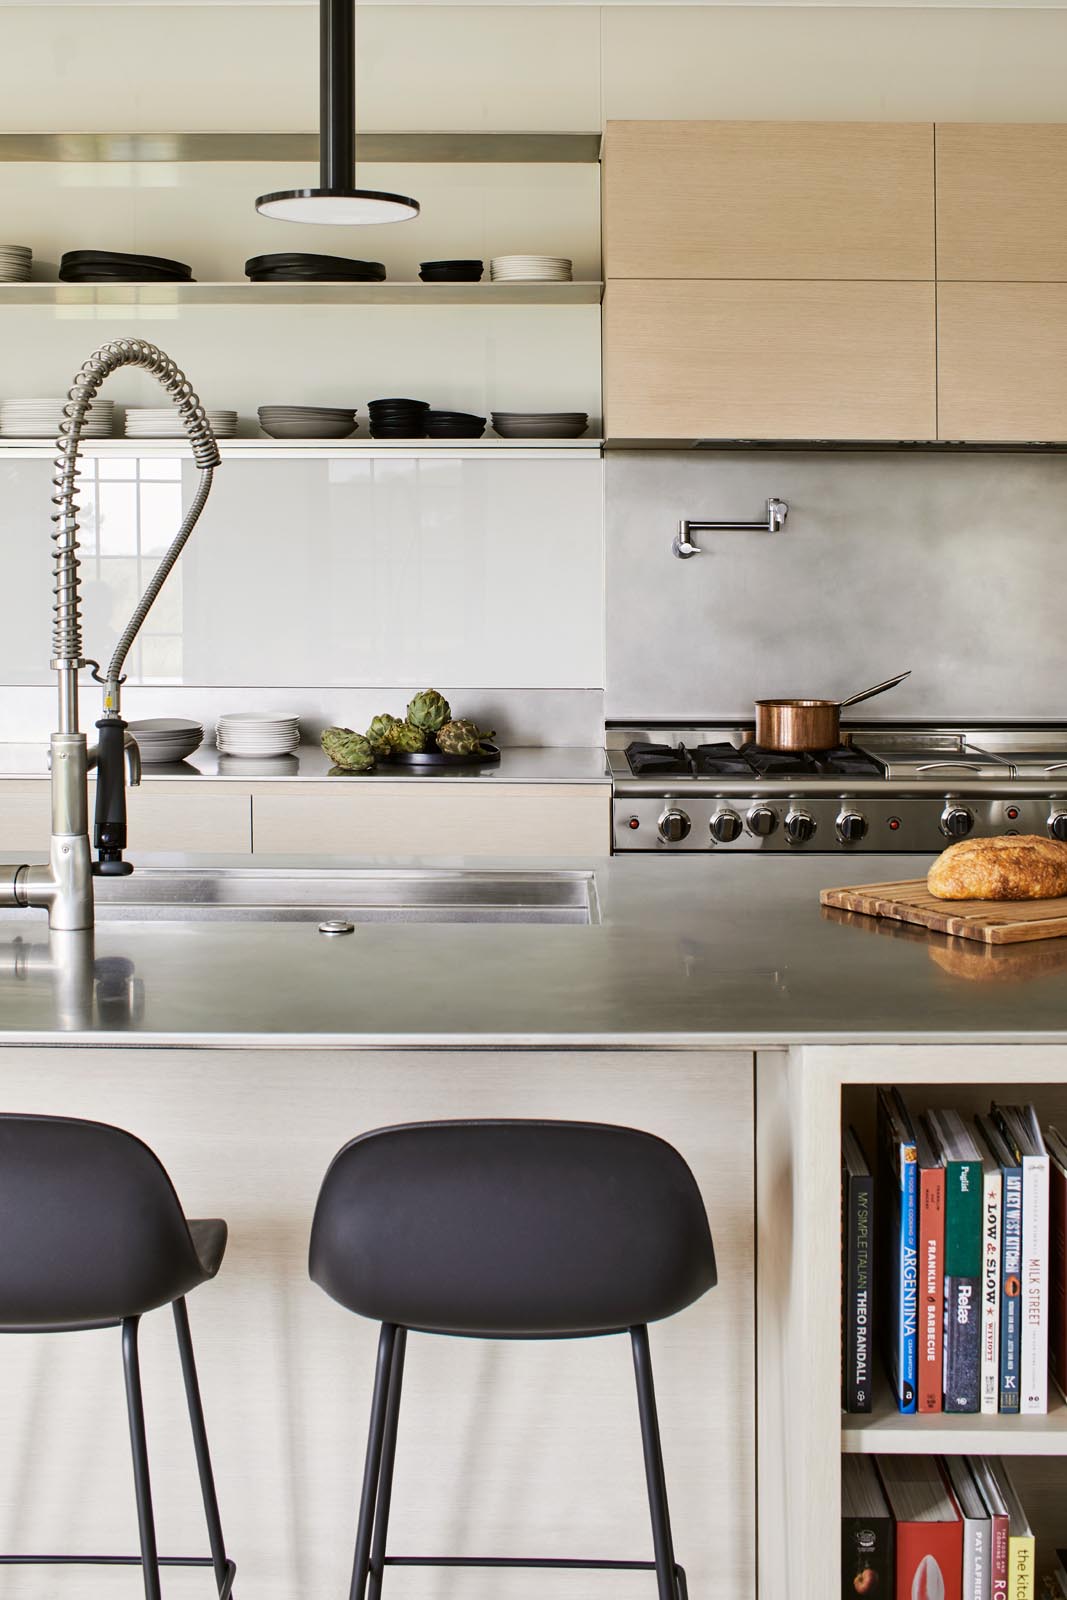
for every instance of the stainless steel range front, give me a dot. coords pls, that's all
(887, 787)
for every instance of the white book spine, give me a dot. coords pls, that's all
(1033, 1375)
(977, 1556)
(992, 1223)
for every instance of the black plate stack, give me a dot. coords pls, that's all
(451, 271)
(116, 266)
(398, 419)
(454, 425)
(294, 266)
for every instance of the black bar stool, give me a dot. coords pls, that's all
(93, 1236)
(508, 1230)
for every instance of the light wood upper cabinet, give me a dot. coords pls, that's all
(1002, 202)
(769, 360)
(1002, 361)
(769, 200)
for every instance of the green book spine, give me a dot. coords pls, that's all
(963, 1219)
(963, 1275)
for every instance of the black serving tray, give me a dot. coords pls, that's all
(436, 760)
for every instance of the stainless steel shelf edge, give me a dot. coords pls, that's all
(422, 148)
(398, 293)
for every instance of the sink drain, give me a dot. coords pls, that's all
(334, 928)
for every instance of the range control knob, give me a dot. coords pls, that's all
(956, 822)
(1057, 825)
(726, 827)
(762, 820)
(799, 827)
(674, 826)
(851, 827)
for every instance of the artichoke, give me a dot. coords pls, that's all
(347, 749)
(461, 738)
(380, 732)
(407, 738)
(429, 711)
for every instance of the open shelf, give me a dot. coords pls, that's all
(420, 148)
(303, 449)
(302, 294)
(884, 1431)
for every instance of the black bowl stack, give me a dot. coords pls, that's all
(451, 271)
(398, 419)
(294, 266)
(116, 266)
(454, 425)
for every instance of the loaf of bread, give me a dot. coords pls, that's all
(1023, 867)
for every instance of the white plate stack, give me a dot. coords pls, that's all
(164, 422)
(40, 419)
(163, 740)
(257, 733)
(15, 263)
(531, 269)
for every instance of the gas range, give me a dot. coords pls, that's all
(888, 787)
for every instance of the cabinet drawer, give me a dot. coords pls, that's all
(163, 816)
(1002, 361)
(1002, 202)
(25, 815)
(769, 200)
(769, 360)
(420, 818)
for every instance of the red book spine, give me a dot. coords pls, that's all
(998, 1565)
(931, 1288)
(929, 1561)
(1057, 1340)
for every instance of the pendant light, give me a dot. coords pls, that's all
(335, 200)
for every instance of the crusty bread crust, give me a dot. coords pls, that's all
(1023, 867)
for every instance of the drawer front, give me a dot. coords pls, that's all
(420, 818)
(162, 816)
(1002, 361)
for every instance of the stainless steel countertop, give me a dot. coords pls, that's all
(518, 764)
(691, 952)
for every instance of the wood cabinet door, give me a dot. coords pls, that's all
(769, 200)
(723, 360)
(1002, 361)
(382, 818)
(1002, 202)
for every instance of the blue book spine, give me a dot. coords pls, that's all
(909, 1279)
(1011, 1286)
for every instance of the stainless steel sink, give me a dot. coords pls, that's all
(248, 894)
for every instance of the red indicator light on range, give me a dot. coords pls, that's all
(894, 824)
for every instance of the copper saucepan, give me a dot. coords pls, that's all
(809, 724)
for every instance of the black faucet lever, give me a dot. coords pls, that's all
(109, 833)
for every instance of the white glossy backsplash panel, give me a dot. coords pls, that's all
(344, 572)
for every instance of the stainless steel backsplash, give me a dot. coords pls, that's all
(952, 565)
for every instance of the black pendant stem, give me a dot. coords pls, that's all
(337, 93)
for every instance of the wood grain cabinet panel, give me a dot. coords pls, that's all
(1002, 361)
(729, 360)
(769, 200)
(1002, 202)
(382, 818)
(182, 815)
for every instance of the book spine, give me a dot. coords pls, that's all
(991, 1232)
(931, 1297)
(963, 1285)
(867, 1557)
(1021, 1564)
(926, 1552)
(859, 1212)
(1033, 1376)
(1010, 1285)
(909, 1281)
(1057, 1319)
(998, 1556)
(975, 1558)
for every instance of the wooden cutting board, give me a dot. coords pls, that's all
(990, 921)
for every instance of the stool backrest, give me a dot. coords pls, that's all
(511, 1228)
(89, 1221)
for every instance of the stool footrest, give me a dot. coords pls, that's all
(122, 1561)
(531, 1561)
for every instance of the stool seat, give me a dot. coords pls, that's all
(93, 1231)
(511, 1229)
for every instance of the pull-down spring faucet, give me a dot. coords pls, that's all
(65, 885)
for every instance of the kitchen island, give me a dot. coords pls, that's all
(709, 1000)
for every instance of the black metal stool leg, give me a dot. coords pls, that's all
(223, 1567)
(139, 1448)
(662, 1542)
(385, 1480)
(373, 1464)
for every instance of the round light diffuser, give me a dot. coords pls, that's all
(340, 206)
